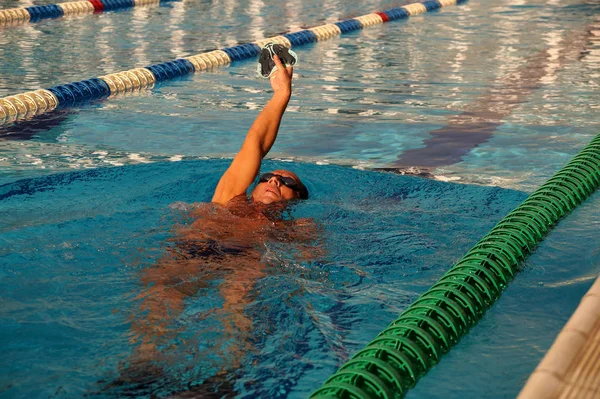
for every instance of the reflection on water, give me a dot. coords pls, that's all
(481, 119)
(440, 91)
(28, 129)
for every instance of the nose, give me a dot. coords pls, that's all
(275, 180)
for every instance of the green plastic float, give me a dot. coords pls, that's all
(409, 347)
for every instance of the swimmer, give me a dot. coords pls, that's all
(279, 186)
(231, 244)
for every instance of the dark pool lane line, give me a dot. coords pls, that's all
(480, 120)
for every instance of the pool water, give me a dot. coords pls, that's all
(77, 246)
(496, 95)
(525, 69)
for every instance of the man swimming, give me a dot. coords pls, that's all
(279, 186)
(231, 244)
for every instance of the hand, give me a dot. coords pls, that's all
(281, 81)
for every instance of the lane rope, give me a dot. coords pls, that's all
(29, 104)
(413, 343)
(15, 16)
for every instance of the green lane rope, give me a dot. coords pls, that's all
(409, 347)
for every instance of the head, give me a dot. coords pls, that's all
(279, 186)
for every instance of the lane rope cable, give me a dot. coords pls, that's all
(21, 15)
(413, 343)
(33, 103)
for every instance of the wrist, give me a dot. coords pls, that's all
(283, 95)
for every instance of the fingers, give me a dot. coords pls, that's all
(277, 61)
(280, 66)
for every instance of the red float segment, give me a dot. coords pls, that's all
(98, 6)
(383, 16)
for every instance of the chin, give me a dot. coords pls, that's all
(269, 198)
(266, 201)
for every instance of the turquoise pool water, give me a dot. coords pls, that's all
(76, 247)
(511, 86)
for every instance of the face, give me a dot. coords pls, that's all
(274, 190)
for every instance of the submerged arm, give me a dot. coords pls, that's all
(259, 140)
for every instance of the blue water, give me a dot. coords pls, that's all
(75, 246)
(91, 199)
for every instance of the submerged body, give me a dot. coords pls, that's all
(228, 249)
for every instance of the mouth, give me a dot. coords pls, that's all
(272, 190)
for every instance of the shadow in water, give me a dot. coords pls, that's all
(28, 129)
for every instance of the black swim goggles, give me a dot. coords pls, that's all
(266, 65)
(289, 182)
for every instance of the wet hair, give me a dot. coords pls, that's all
(302, 190)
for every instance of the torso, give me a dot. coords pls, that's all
(237, 228)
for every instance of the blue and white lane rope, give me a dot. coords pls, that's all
(37, 13)
(29, 104)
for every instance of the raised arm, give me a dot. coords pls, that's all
(259, 140)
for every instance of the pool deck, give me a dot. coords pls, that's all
(571, 368)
